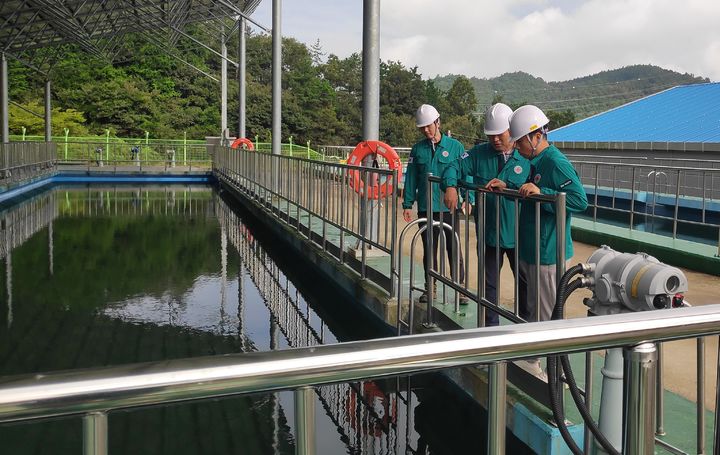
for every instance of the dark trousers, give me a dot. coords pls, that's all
(445, 217)
(492, 270)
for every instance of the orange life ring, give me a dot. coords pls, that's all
(239, 142)
(375, 189)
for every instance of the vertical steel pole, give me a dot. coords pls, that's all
(371, 69)
(276, 77)
(48, 113)
(95, 434)
(223, 87)
(497, 377)
(305, 421)
(639, 399)
(4, 109)
(241, 78)
(716, 430)
(560, 222)
(659, 394)
(700, 395)
(371, 96)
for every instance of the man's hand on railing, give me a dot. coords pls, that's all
(407, 215)
(495, 185)
(451, 198)
(529, 189)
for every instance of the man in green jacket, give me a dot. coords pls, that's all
(495, 165)
(434, 154)
(550, 173)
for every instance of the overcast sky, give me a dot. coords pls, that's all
(553, 39)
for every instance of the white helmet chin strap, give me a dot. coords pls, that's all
(534, 147)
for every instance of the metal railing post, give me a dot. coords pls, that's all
(497, 390)
(659, 394)
(639, 399)
(304, 421)
(716, 430)
(429, 250)
(700, 395)
(95, 434)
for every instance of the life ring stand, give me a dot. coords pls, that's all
(382, 186)
(239, 142)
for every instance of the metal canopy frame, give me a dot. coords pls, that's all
(97, 26)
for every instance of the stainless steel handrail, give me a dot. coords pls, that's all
(102, 389)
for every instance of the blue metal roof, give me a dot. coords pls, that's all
(687, 113)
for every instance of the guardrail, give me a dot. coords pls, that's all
(25, 161)
(651, 188)
(96, 155)
(95, 392)
(313, 196)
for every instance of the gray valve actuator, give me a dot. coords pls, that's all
(626, 282)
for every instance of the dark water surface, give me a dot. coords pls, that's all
(100, 275)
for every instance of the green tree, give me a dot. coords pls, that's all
(461, 97)
(20, 116)
(560, 118)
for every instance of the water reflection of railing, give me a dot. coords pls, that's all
(139, 201)
(23, 221)
(365, 416)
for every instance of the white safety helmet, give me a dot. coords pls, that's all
(497, 119)
(425, 115)
(525, 120)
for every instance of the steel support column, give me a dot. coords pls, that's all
(48, 113)
(276, 77)
(241, 77)
(223, 88)
(4, 113)
(371, 69)
(639, 399)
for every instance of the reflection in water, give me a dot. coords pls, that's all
(126, 274)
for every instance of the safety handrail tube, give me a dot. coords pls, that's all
(103, 389)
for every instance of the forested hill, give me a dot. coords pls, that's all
(146, 90)
(583, 96)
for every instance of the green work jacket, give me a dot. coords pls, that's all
(481, 164)
(423, 161)
(552, 173)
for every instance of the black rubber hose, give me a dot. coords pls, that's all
(559, 313)
(552, 370)
(556, 407)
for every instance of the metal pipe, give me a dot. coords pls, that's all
(429, 251)
(638, 398)
(242, 77)
(223, 89)
(4, 108)
(497, 391)
(632, 198)
(716, 428)
(371, 69)
(99, 389)
(48, 113)
(587, 435)
(700, 395)
(677, 204)
(95, 434)
(560, 223)
(276, 77)
(305, 421)
(660, 394)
